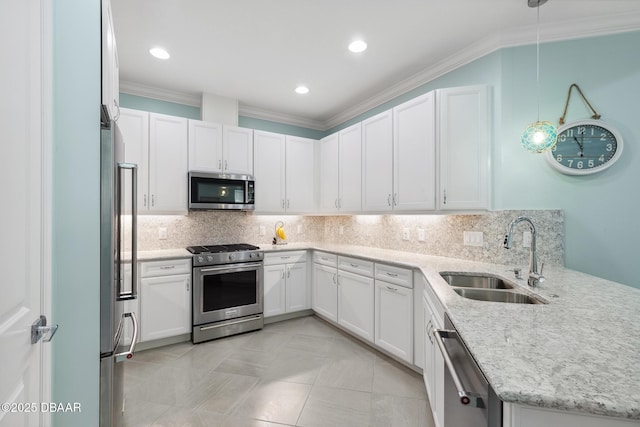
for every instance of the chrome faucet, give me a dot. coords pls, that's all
(535, 276)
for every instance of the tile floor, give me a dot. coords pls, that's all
(300, 372)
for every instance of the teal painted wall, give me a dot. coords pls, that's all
(600, 210)
(269, 126)
(157, 106)
(76, 209)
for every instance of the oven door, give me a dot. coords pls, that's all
(226, 292)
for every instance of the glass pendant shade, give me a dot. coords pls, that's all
(539, 137)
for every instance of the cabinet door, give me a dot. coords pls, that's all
(297, 294)
(355, 304)
(269, 172)
(205, 146)
(165, 306)
(464, 147)
(414, 154)
(351, 169)
(300, 175)
(274, 290)
(325, 291)
(133, 131)
(377, 162)
(394, 319)
(238, 150)
(329, 173)
(168, 163)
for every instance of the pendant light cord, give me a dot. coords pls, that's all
(538, 61)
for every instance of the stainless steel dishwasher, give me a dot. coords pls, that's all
(469, 400)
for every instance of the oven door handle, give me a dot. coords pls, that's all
(231, 267)
(466, 397)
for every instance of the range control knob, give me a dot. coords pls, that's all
(200, 259)
(252, 255)
(230, 257)
(209, 258)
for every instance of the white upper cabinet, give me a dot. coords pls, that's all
(269, 172)
(237, 150)
(205, 146)
(284, 173)
(414, 154)
(158, 145)
(377, 162)
(350, 194)
(341, 171)
(168, 163)
(329, 173)
(220, 148)
(110, 69)
(300, 175)
(464, 135)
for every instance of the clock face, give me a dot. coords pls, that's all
(585, 147)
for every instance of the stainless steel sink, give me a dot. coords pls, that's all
(480, 280)
(497, 296)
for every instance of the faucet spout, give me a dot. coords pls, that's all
(535, 276)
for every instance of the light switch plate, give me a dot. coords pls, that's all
(473, 238)
(162, 233)
(421, 236)
(405, 234)
(261, 230)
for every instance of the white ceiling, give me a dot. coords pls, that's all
(258, 51)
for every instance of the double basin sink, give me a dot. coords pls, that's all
(487, 287)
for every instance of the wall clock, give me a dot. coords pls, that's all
(585, 147)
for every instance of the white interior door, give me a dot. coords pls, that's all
(23, 172)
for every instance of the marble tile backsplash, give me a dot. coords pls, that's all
(443, 233)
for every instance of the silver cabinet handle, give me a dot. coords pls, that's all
(167, 267)
(283, 205)
(389, 199)
(336, 203)
(395, 197)
(285, 257)
(188, 282)
(392, 289)
(355, 265)
(119, 208)
(220, 164)
(288, 204)
(129, 353)
(335, 278)
(444, 194)
(288, 273)
(283, 274)
(153, 200)
(145, 201)
(226, 165)
(465, 396)
(392, 274)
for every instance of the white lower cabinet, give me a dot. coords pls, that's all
(286, 287)
(516, 415)
(165, 298)
(325, 285)
(355, 304)
(433, 369)
(394, 319)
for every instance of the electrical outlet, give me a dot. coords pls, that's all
(526, 239)
(473, 238)
(421, 237)
(405, 234)
(261, 230)
(162, 233)
(299, 229)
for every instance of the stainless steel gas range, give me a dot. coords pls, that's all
(227, 290)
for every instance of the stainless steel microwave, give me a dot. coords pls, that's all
(213, 191)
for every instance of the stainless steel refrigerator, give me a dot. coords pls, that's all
(118, 276)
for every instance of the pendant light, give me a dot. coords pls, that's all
(539, 136)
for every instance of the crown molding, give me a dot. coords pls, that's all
(576, 29)
(194, 100)
(258, 113)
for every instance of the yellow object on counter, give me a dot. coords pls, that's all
(280, 233)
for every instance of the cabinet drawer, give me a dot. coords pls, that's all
(325, 258)
(355, 265)
(398, 275)
(284, 257)
(165, 267)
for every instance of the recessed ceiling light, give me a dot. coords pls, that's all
(302, 90)
(159, 53)
(358, 46)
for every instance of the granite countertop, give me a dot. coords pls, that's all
(580, 352)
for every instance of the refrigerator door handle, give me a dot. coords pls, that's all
(120, 293)
(129, 353)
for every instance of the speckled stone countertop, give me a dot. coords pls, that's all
(580, 352)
